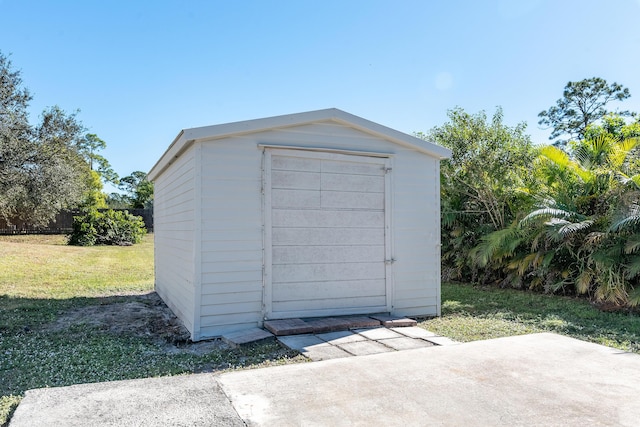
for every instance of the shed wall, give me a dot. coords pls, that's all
(416, 235)
(232, 223)
(174, 237)
(231, 236)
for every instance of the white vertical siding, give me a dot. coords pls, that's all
(227, 284)
(174, 226)
(415, 215)
(231, 295)
(416, 235)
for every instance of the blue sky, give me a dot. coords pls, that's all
(140, 71)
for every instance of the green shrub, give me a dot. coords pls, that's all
(106, 228)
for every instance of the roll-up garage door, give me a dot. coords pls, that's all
(326, 229)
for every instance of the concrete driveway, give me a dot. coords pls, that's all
(540, 379)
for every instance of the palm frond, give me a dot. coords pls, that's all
(560, 161)
(631, 181)
(585, 175)
(629, 143)
(594, 238)
(521, 265)
(496, 246)
(557, 222)
(547, 212)
(558, 285)
(611, 287)
(448, 219)
(632, 244)
(556, 156)
(609, 256)
(601, 148)
(634, 297)
(583, 281)
(629, 222)
(619, 152)
(636, 180)
(633, 267)
(546, 261)
(535, 283)
(569, 229)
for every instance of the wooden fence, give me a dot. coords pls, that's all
(63, 223)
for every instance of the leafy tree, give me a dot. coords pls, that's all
(58, 127)
(40, 170)
(582, 103)
(94, 197)
(615, 126)
(582, 205)
(118, 201)
(14, 130)
(106, 228)
(139, 190)
(481, 184)
(583, 234)
(488, 163)
(14, 99)
(557, 220)
(88, 148)
(65, 131)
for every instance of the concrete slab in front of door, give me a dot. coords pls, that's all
(313, 347)
(319, 325)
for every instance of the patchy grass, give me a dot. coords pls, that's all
(8, 405)
(471, 313)
(43, 281)
(45, 267)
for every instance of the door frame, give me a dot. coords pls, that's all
(384, 159)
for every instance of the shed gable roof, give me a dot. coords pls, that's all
(207, 133)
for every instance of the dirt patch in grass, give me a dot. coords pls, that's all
(144, 315)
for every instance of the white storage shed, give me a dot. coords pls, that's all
(313, 214)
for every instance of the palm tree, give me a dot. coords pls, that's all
(584, 234)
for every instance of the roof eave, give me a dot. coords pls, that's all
(207, 133)
(173, 152)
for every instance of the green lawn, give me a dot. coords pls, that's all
(42, 280)
(45, 267)
(470, 313)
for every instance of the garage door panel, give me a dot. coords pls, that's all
(351, 200)
(289, 273)
(353, 168)
(327, 290)
(295, 164)
(302, 199)
(295, 180)
(327, 236)
(326, 254)
(327, 218)
(326, 232)
(342, 182)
